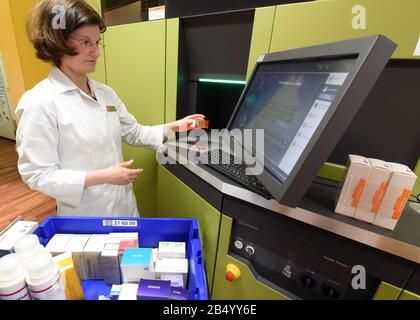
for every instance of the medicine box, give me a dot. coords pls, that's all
(57, 245)
(125, 236)
(128, 291)
(111, 266)
(92, 256)
(136, 264)
(76, 245)
(125, 244)
(172, 266)
(150, 289)
(200, 123)
(111, 246)
(115, 291)
(165, 249)
(151, 231)
(396, 196)
(358, 169)
(69, 276)
(374, 191)
(171, 250)
(110, 240)
(178, 294)
(177, 280)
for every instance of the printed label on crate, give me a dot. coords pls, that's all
(120, 223)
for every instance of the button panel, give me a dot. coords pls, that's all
(314, 283)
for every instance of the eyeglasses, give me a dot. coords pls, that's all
(84, 43)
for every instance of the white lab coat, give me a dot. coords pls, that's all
(63, 134)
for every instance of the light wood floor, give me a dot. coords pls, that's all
(16, 199)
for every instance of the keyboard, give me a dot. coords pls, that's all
(224, 163)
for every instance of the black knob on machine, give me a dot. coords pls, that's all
(307, 279)
(331, 290)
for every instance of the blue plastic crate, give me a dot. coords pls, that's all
(151, 231)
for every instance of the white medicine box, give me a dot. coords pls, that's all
(352, 188)
(396, 196)
(374, 191)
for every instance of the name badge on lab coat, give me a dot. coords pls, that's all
(111, 109)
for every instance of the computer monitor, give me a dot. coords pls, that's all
(304, 99)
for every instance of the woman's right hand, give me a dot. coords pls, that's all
(119, 174)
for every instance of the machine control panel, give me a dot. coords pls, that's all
(295, 266)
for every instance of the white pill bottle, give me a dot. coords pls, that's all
(13, 278)
(44, 278)
(28, 247)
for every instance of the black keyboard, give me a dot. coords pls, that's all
(224, 163)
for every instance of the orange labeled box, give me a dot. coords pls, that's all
(200, 124)
(358, 169)
(396, 196)
(374, 191)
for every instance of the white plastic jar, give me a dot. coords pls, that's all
(13, 278)
(28, 247)
(44, 278)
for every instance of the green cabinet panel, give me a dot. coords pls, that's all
(172, 43)
(311, 23)
(407, 295)
(416, 188)
(135, 65)
(261, 35)
(146, 184)
(332, 171)
(100, 73)
(387, 291)
(247, 287)
(177, 200)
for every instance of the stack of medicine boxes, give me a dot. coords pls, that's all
(375, 191)
(159, 274)
(143, 273)
(171, 263)
(171, 266)
(95, 256)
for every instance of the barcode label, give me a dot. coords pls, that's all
(120, 223)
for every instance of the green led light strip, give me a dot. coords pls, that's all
(222, 81)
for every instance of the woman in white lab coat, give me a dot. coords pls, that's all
(71, 127)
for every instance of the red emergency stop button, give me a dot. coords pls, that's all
(232, 272)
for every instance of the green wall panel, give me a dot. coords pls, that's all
(172, 43)
(387, 291)
(135, 65)
(261, 35)
(177, 200)
(407, 295)
(332, 171)
(244, 288)
(299, 25)
(416, 188)
(100, 73)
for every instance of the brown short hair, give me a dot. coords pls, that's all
(51, 22)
